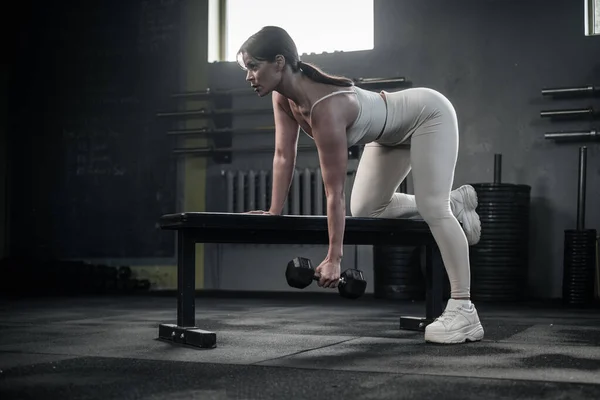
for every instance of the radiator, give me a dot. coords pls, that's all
(251, 190)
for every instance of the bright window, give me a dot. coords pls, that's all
(597, 17)
(592, 17)
(311, 23)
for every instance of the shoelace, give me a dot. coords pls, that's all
(447, 316)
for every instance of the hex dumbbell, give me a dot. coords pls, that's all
(300, 273)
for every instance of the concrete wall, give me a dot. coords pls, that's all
(491, 58)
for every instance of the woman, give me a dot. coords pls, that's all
(337, 115)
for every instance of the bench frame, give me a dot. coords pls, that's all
(204, 227)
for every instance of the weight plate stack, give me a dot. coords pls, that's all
(397, 273)
(579, 264)
(499, 262)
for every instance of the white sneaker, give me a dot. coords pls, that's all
(463, 202)
(458, 323)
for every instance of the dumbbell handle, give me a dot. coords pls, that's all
(341, 281)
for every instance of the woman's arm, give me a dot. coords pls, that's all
(284, 159)
(329, 122)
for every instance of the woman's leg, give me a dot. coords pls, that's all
(374, 193)
(380, 172)
(434, 150)
(433, 154)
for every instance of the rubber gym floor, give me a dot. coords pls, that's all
(304, 347)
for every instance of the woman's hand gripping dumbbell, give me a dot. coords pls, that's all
(300, 273)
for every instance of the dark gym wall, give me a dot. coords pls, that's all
(90, 174)
(91, 165)
(4, 78)
(491, 58)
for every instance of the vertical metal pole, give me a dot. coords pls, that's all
(581, 188)
(186, 279)
(497, 168)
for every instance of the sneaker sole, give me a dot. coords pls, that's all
(472, 333)
(469, 217)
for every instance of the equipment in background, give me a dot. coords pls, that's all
(499, 262)
(587, 114)
(578, 135)
(300, 273)
(579, 259)
(572, 92)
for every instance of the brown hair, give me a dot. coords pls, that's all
(271, 41)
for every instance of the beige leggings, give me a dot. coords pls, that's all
(429, 120)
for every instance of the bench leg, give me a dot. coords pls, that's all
(186, 332)
(434, 274)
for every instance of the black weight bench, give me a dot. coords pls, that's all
(206, 227)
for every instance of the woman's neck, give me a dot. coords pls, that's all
(294, 86)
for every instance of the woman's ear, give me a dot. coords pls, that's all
(280, 62)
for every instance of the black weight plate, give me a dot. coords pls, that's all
(490, 234)
(508, 202)
(573, 283)
(505, 281)
(506, 223)
(580, 240)
(491, 244)
(503, 276)
(510, 208)
(517, 258)
(509, 278)
(482, 272)
(586, 277)
(484, 194)
(495, 249)
(582, 277)
(510, 219)
(504, 202)
(582, 237)
(495, 291)
(578, 259)
(492, 287)
(502, 209)
(500, 257)
(492, 247)
(386, 277)
(581, 262)
(578, 273)
(503, 219)
(495, 231)
(580, 244)
(501, 186)
(500, 264)
(508, 298)
(489, 239)
(490, 266)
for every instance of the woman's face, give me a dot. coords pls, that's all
(263, 76)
